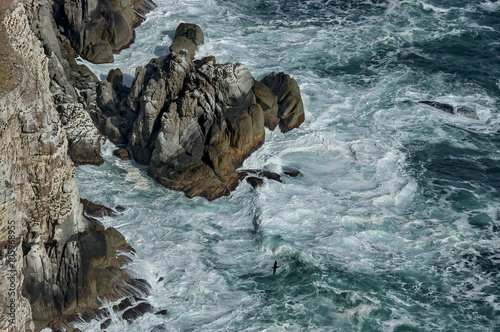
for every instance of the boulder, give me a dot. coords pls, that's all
(95, 210)
(290, 106)
(188, 36)
(105, 324)
(122, 154)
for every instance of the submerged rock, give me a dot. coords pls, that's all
(137, 311)
(291, 172)
(467, 112)
(460, 110)
(254, 181)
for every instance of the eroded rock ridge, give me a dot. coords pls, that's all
(194, 122)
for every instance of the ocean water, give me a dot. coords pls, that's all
(394, 222)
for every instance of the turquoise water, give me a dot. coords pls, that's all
(394, 223)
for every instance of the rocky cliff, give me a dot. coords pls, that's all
(55, 262)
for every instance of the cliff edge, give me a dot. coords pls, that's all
(54, 261)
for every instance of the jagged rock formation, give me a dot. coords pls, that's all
(116, 118)
(55, 262)
(97, 28)
(268, 101)
(195, 123)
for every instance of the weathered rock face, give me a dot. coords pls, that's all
(73, 87)
(54, 261)
(290, 106)
(97, 28)
(195, 123)
(268, 101)
(188, 36)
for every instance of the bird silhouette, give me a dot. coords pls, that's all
(275, 267)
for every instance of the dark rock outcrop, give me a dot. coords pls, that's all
(122, 154)
(137, 311)
(262, 173)
(92, 209)
(188, 36)
(254, 181)
(98, 28)
(460, 110)
(195, 123)
(290, 107)
(162, 312)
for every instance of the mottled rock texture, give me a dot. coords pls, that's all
(72, 85)
(98, 28)
(196, 123)
(54, 261)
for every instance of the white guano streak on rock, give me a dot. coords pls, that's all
(38, 194)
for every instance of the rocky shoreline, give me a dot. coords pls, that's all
(193, 122)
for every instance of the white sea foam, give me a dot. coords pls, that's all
(359, 233)
(490, 6)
